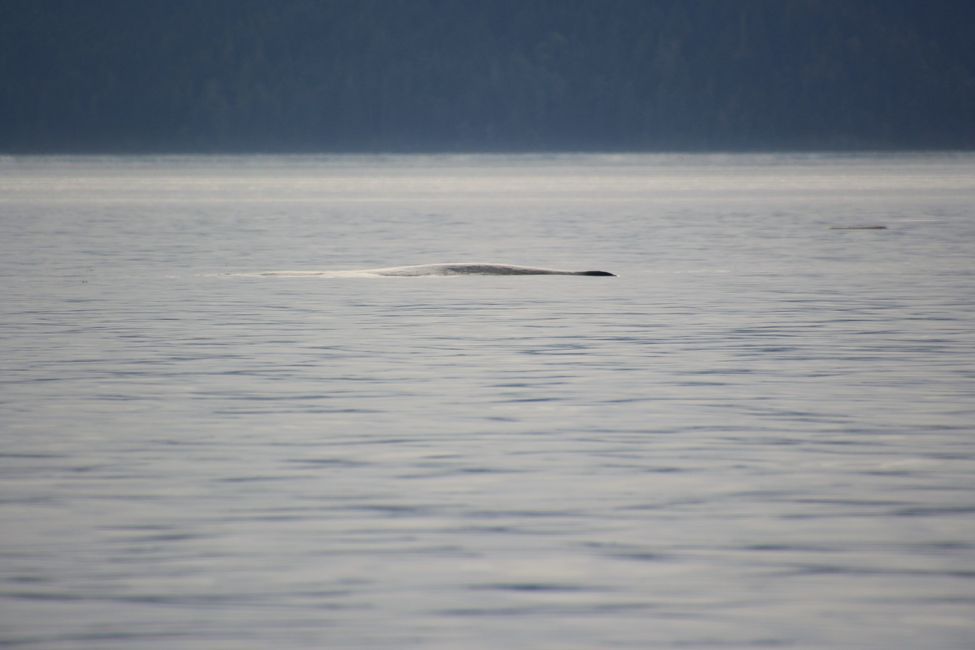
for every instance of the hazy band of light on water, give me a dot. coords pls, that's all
(760, 434)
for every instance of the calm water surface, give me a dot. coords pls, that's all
(759, 435)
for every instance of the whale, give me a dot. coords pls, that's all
(476, 269)
(433, 270)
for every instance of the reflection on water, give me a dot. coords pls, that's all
(758, 435)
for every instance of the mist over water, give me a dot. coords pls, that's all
(758, 435)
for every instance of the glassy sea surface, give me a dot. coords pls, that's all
(759, 435)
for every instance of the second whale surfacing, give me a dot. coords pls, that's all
(475, 269)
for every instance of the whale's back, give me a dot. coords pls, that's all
(433, 270)
(475, 269)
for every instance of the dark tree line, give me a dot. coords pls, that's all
(446, 75)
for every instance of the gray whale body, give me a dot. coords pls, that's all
(475, 269)
(428, 270)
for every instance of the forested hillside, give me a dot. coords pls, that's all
(485, 75)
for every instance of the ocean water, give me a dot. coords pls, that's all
(761, 434)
